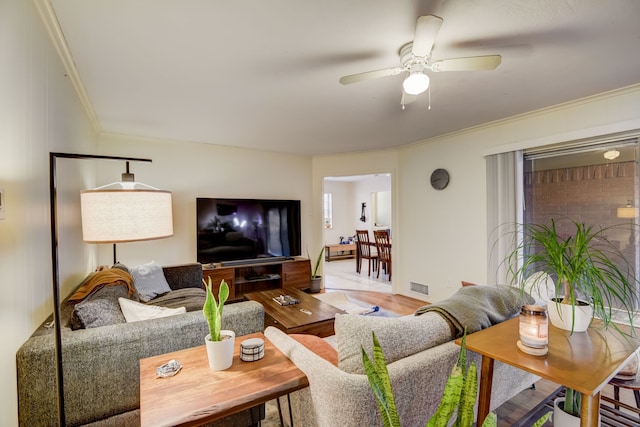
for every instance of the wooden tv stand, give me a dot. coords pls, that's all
(251, 277)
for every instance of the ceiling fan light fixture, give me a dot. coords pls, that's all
(416, 83)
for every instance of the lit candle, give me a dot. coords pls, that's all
(534, 326)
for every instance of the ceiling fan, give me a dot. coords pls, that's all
(415, 58)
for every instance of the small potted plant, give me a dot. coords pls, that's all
(316, 280)
(592, 275)
(219, 342)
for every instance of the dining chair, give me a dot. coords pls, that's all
(365, 251)
(383, 247)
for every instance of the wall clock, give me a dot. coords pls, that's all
(439, 179)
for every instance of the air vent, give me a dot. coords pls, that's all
(417, 287)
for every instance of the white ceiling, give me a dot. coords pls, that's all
(264, 73)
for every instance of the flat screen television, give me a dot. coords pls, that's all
(247, 229)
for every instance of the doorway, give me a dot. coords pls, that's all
(350, 203)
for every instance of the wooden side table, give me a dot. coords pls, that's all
(198, 395)
(339, 251)
(584, 361)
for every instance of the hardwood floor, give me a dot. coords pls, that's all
(398, 304)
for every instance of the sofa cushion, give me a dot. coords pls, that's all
(149, 280)
(101, 308)
(134, 311)
(184, 276)
(399, 337)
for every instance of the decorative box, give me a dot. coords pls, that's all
(252, 349)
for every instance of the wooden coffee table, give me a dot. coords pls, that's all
(198, 395)
(584, 361)
(290, 318)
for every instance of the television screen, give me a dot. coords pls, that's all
(245, 229)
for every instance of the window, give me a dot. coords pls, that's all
(586, 185)
(327, 210)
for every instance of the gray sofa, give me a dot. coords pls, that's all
(101, 365)
(420, 354)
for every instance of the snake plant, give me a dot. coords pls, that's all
(459, 393)
(212, 310)
(316, 266)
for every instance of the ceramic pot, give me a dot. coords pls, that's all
(316, 285)
(561, 317)
(561, 418)
(220, 353)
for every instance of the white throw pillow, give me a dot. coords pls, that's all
(134, 311)
(149, 280)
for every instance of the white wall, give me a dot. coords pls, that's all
(363, 193)
(39, 113)
(192, 170)
(343, 211)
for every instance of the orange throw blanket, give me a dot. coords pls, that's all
(109, 277)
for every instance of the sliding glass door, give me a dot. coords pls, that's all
(596, 185)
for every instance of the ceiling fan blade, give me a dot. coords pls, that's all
(427, 29)
(355, 78)
(407, 99)
(472, 63)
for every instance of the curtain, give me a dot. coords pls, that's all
(504, 211)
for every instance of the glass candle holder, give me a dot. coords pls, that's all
(534, 326)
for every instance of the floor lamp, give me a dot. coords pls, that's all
(125, 211)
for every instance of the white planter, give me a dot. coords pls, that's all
(561, 418)
(561, 316)
(220, 353)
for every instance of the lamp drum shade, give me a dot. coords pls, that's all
(627, 212)
(114, 216)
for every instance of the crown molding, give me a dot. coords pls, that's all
(50, 20)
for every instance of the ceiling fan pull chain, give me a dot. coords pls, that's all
(429, 97)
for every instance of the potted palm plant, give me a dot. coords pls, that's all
(219, 342)
(591, 274)
(316, 279)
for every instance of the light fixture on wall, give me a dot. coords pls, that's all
(119, 212)
(611, 154)
(627, 211)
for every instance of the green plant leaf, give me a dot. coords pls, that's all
(490, 421)
(468, 397)
(542, 420)
(316, 266)
(450, 399)
(380, 383)
(212, 310)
